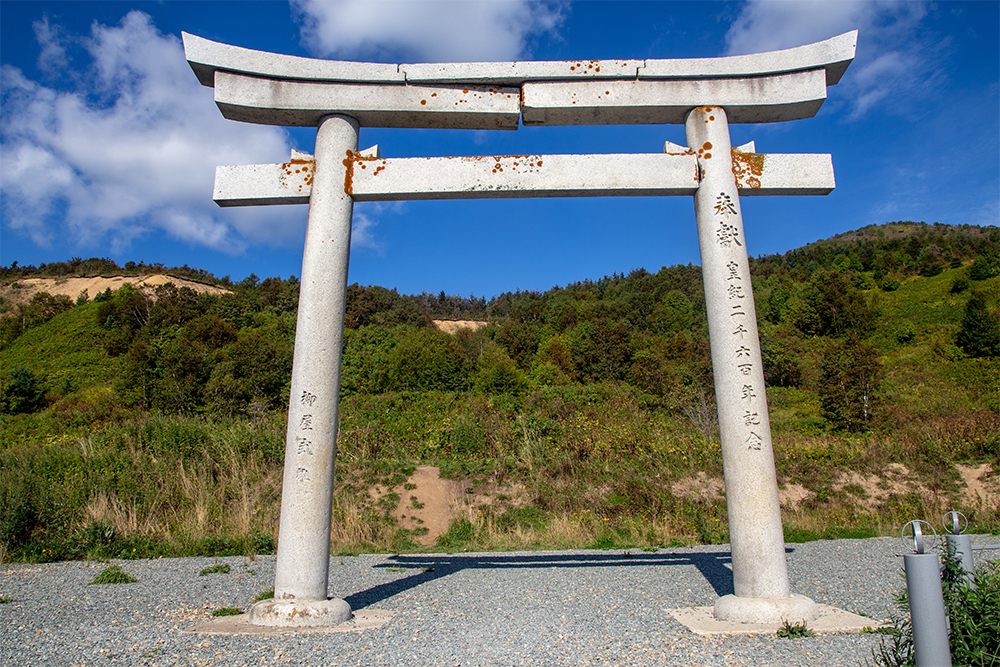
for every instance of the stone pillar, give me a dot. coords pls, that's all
(303, 563)
(760, 575)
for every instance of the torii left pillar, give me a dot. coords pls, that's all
(303, 564)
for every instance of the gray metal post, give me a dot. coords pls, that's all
(926, 598)
(960, 548)
(959, 545)
(930, 628)
(303, 563)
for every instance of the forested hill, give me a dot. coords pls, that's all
(151, 422)
(176, 350)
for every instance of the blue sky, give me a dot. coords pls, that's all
(109, 144)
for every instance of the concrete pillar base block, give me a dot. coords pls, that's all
(795, 609)
(299, 613)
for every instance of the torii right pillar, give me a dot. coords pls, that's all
(760, 574)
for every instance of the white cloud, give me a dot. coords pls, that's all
(430, 30)
(895, 54)
(127, 147)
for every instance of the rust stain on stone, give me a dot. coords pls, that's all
(747, 167)
(299, 176)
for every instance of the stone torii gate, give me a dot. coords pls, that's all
(705, 94)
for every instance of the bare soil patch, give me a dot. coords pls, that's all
(429, 503)
(792, 495)
(21, 291)
(453, 326)
(981, 485)
(700, 487)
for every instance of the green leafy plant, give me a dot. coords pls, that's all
(215, 569)
(226, 611)
(5, 599)
(264, 595)
(113, 575)
(794, 631)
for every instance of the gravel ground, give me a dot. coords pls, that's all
(531, 608)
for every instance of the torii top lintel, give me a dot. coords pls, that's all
(274, 89)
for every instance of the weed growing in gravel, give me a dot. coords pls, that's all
(226, 611)
(113, 575)
(215, 569)
(4, 599)
(796, 631)
(264, 595)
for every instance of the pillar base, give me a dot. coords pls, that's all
(794, 609)
(299, 613)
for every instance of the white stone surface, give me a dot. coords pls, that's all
(766, 99)
(514, 176)
(299, 614)
(519, 176)
(264, 184)
(795, 609)
(702, 621)
(303, 559)
(362, 620)
(761, 174)
(518, 72)
(206, 57)
(297, 103)
(833, 55)
(756, 537)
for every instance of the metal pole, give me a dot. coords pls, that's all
(930, 629)
(958, 544)
(960, 548)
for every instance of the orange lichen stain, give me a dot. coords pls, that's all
(423, 102)
(711, 117)
(707, 145)
(465, 90)
(305, 168)
(747, 167)
(348, 163)
(434, 94)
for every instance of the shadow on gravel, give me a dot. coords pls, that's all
(712, 566)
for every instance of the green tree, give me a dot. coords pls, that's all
(600, 350)
(980, 332)
(839, 306)
(496, 373)
(22, 392)
(256, 368)
(365, 364)
(850, 383)
(425, 359)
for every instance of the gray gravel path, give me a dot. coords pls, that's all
(531, 608)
